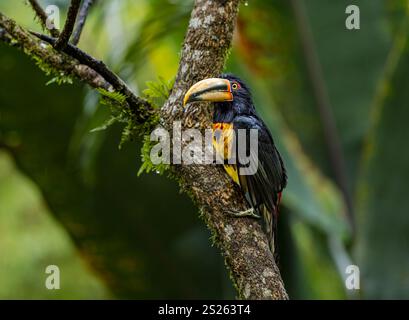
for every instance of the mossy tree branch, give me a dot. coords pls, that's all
(207, 42)
(61, 63)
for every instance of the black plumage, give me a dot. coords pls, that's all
(262, 190)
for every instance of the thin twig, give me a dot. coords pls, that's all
(68, 26)
(42, 16)
(82, 17)
(100, 67)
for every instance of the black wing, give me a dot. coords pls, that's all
(261, 189)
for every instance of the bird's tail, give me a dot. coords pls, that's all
(270, 226)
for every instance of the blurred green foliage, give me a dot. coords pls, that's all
(138, 235)
(31, 239)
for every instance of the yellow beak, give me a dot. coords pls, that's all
(212, 89)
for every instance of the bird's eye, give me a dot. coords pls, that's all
(235, 86)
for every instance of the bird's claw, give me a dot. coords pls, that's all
(245, 213)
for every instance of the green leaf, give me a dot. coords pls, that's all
(157, 92)
(105, 125)
(114, 96)
(147, 165)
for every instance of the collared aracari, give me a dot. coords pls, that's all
(233, 110)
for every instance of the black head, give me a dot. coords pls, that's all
(230, 95)
(242, 103)
(239, 89)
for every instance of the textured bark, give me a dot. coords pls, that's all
(241, 240)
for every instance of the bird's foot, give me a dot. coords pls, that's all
(245, 213)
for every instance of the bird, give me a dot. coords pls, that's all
(234, 110)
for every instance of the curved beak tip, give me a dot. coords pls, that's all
(186, 99)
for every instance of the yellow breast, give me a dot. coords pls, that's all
(223, 134)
